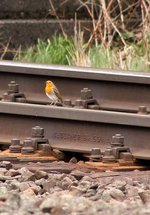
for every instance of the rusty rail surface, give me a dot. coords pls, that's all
(114, 90)
(79, 130)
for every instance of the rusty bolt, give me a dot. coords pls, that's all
(142, 110)
(117, 140)
(21, 100)
(28, 147)
(96, 154)
(37, 132)
(108, 156)
(45, 149)
(86, 94)
(78, 103)
(13, 87)
(15, 146)
(8, 97)
(126, 156)
(67, 103)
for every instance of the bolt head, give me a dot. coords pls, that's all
(37, 131)
(96, 154)
(117, 140)
(28, 143)
(79, 103)
(13, 87)
(15, 142)
(86, 94)
(142, 110)
(108, 156)
(67, 103)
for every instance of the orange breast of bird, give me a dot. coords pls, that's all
(48, 88)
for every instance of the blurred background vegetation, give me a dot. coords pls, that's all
(119, 38)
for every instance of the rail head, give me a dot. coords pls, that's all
(74, 72)
(97, 116)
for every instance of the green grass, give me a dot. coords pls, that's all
(55, 51)
(132, 57)
(136, 56)
(101, 57)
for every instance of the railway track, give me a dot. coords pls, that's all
(105, 113)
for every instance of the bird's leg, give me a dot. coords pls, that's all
(55, 103)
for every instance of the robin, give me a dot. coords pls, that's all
(53, 93)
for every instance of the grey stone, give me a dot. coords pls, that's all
(26, 175)
(29, 203)
(85, 184)
(117, 194)
(41, 174)
(4, 178)
(5, 209)
(78, 174)
(73, 160)
(34, 186)
(129, 181)
(3, 192)
(75, 191)
(131, 191)
(58, 211)
(13, 200)
(136, 183)
(3, 171)
(67, 202)
(48, 204)
(23, 186)
(121, 185)
(48, 184)
(56, 177)
(106, 196)
(87, 178)
(14, 185)
(66, 183)
(29, 192)
(6, 164)
(89, 193)
(40, 182)
(145, 196)
(12, 173)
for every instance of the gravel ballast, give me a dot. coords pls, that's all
(23, 192)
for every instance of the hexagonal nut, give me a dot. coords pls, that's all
(45, 149)
(37, 131)
(142, 110)
(86, 94)
(13, 87)
(67, 103)
(78, 103)
(15, 142)
(108, 156)
(118, 139)
(96, 152)
(8, 97)
(28, 143)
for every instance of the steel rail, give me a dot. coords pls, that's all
(73, 129)
(114, 90)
